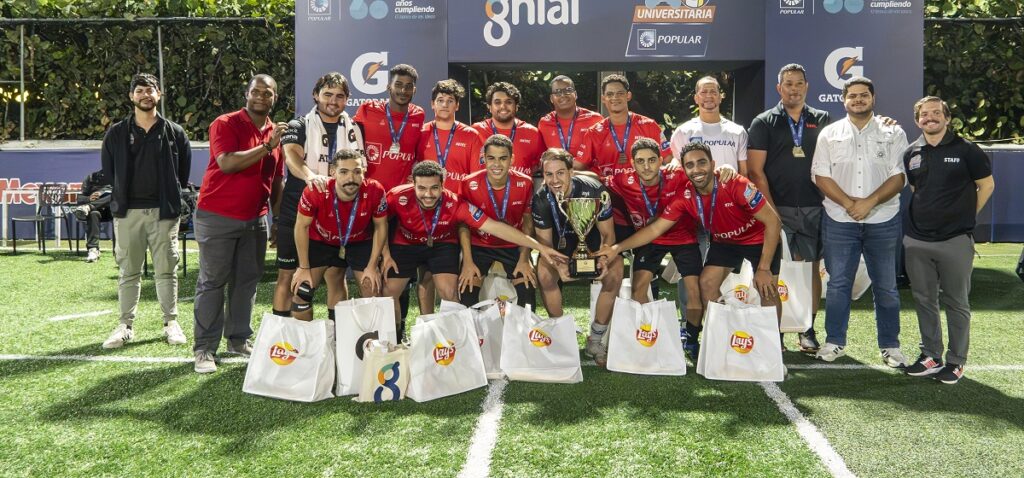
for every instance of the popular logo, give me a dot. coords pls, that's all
(647, 39)
(498, 28)
(443, 354)
(741, 342)
(377, 9)
(368, 72)
(646, 336)
(842, 64)
(319, 7)
(388, 383)
(783, 290)
(791, 4)
(539, 338)
(835, 6)
(283, 353)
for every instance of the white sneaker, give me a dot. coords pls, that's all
(173, 333)
(597, 350)
(205, 362)
(829, 352)
(893, 357)
(94, 255)
(121, 334)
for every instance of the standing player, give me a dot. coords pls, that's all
(309, 145)
(391, 129)
(505, 196)
(552, 228)
(453, 144)
(563, 128)
(334, 230)
(727, 140)
(503, 102)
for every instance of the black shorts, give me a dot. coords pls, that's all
(485, 257)
(732, 255)
(623, 232)
(443, 258)
(803, 228)
(686, 257)
(324, 255)
(357, 254)
(287, 256)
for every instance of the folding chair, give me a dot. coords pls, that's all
(49, 199)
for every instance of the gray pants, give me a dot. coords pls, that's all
(940, 273)
(231, 254)
(139, 230)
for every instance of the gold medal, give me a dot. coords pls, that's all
(622, 158)
(561, 243)
(341, 252)
(430, 242)
(798, 152)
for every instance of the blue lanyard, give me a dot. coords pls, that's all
(511, 136)
(651, 210)
(391, 124)
(351, 218)
(555, 211)
(700, 208)
(443, 158)
(795, 130)
(561, 134)
(504, 205)
(437, 216)
(615, 137)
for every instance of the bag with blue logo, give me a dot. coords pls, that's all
(385, 370)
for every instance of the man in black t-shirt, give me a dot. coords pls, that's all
(951, 180)
(309, 144)
(551, 226)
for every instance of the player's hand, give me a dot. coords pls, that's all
(469, 276)
(94, 196)
(524, 270)
(608, 250)
(388, 264)
(887, 120)
(275, 136)
(301, 275)
(766, 285)
(602, 267)
(860, 209)
(563, 272)
(318, 182)
(672, 165)
(273, 235)
(725, 173)
(372, 276)
(552, 255)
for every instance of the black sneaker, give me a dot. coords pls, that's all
(950, 374)
(809, 342)
(691, 346)
(925, 366)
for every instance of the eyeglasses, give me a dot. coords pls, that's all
(615, 94)
(564, 91)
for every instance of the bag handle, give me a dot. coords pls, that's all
(483, 303)
(784, 242)
(376, 315)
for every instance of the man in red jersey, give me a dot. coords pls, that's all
(245, 170)
(427, 232)
(739, 221)
(503, 102)
(505, 196)
(453, 144)
(391, 129)
(563, 128)
(343, 225)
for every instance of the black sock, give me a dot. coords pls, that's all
(692, 330)
(282, 313)
(330, 314)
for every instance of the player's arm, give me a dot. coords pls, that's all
(985, 188)
(470, 275)
(301, 234)
(763, 278)
(821, 174)
(528, 230)
(644, 236)
(235, 161)
(754, 166)
(515, 236)
(379, 242)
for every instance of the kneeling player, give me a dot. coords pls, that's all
(552, 227)
(333, 230)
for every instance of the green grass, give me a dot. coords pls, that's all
(74, 418)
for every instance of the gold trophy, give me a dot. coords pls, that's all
(581, 214)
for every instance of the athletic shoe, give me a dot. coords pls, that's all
(925, 366)
(691, 345)
(597, 350)
(243, 348)
(81, 212)
(950, 374)
(893, 357)
(830, 352)
(205, 362)
(173, 333)
(809, 342)
(94, 255)
(122, 334)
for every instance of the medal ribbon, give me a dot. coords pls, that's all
(351, 219)
(615, 137)
(391, 124)
(796, 129)
(504, 206)
(443, 158)
(651, 210)
(561, 134)
(437, 216)
(700, 208)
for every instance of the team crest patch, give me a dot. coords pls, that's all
(383, 206)
(402, 200)
(752, 195)
(696, 139)
(477, 212)
(915, 163)
(664, 145)
(473, 185)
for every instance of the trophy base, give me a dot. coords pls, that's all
(585, 268)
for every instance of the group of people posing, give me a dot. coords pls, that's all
(395, 198)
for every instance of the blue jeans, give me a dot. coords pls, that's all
(844, 243)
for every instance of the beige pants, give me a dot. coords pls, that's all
(139, 230)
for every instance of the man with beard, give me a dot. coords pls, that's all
(503, 103)
(147, 160)
(343, 225)
(309, 144)
(245, 170)
(452, 144)
(563, 127)
(391, 129)
(858, 165)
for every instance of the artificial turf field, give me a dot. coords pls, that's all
(70, 408)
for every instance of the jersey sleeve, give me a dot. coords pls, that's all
(677, 209)
(296, 133)
(746, 194)
(606, 204)
(654, 131)
(470, 215)
(360, 117)
(677, 142)
(585, 155)
(978, 164)
(541, 213)
(223, 138)
(309, 203)
(758, 135)
(381, 199)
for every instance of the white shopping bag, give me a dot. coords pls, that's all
(861, 281)
(292, 360)
(385, 374)
(540, 350)
(358, 321)
(489, 317)
(644, 339)
(741, 286)
(497, 286)
(625, 292)
(445, 357)
(741, 343)
(449, 306)
(795, 291)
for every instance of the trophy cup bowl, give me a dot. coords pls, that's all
(581, 215)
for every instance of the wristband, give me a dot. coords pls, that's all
(267, 147)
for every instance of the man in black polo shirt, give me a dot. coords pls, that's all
(779, 151)
(951, 180)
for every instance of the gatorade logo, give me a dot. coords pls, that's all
(368, 73)
(283, 353)
(443, 354)
(741, 342)
(646, 336)
(783, 290)
(842, 64)
(538, 338)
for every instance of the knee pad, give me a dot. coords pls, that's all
(297, 307)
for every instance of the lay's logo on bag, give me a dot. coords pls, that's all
(783, 290)
(443, 354)
(538, 338)
(740, 292)
(646, 336)
(283, 353)
(741, 342)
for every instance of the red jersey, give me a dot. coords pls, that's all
(242, 195)
(672, 185)
(732, 221)
(390, 169)
(520, 201)
(600, 154)
(463, 157)
(413, 222)
(527, 145)
(325, 227)
(572, 129)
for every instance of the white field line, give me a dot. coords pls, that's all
(79, 316)
(815, 440)
(113, 358)
(485, 435)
